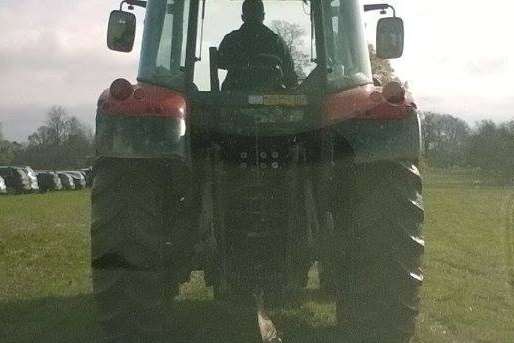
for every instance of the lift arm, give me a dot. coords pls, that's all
(132, 3)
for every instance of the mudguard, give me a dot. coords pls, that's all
(374, 127)
(376, 140)
(151, 123)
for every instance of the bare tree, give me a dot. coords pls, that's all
(293, 35)
(57, 124)
(63, 142)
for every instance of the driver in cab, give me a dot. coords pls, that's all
(247, 52)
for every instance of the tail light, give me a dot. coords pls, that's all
(121, 89)
(394, 92)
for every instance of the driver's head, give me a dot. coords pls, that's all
(253, 11)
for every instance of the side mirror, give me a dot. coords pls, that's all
(390, 38)
(122, 31)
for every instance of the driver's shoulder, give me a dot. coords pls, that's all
(232, 36)
(271, 33)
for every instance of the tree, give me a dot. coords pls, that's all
(4, 148)
(8, 150)
(445, 138)
(5, 151)
(57, 125)
(63, 142)
(293, 34)
(491, 148)
(41, 137)
(487, 147)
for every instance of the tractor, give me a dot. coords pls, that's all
(254, 185)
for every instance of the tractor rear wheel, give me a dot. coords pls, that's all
(141, 246)
(381, 274)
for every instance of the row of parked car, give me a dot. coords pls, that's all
(19, 180)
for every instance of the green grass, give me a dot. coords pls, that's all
(44, 268)
(467, 296)
(45, 288)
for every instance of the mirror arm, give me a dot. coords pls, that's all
(379, 7)
(199, 58)
(132, 3)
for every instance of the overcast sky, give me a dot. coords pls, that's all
(458, 57)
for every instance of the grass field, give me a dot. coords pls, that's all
(45, 289)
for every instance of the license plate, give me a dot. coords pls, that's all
(278, 100)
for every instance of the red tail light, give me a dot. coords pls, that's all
(394, 92)
(121, 89)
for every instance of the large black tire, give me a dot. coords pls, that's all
(141, 245)
(381, 272)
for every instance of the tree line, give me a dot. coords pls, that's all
(62, 142)
(486, 146)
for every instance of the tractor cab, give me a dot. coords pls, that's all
(326, 39)
(180, 54)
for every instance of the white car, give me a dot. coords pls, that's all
(34, 185)
(78, 179)
(3, 187)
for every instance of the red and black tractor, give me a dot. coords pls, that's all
(253, 186)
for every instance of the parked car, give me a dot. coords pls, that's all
(34, 184)
(66, 180)
(3, 187)
(78, 179)
(16, 179)
(88, 174)
(48, 181)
